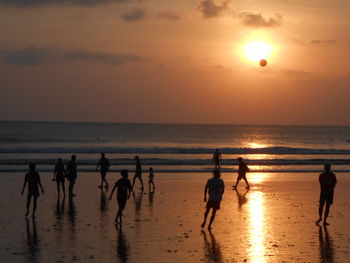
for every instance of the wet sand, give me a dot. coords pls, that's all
(273, 222)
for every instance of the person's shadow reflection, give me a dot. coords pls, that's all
(326, 245)
(103, 201)
(72, 212)
(242, 199)
(32, 242)
(122, 246)
(212, 248)
(60, 207)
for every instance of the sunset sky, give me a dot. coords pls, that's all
(175, 61)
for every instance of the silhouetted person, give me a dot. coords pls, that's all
(242, 171)
(150, 180)
(138, 172)
(327, 181)
(32, 178)
(104, 168)
(217, 158)
(215, 186)
(123, 186)
(71, 173)
(59, 175)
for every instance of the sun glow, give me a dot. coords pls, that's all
(257, 51)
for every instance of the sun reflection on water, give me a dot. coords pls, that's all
(256, 250)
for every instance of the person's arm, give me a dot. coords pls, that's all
(108, 165)
(220, 157)
(98, 165)
(222, 189)
(335, 181)
(24, 184)
(54, 174)
(110, 197)
(39, 182)
(205, 192)
(129, 190)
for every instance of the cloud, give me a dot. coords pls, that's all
(319, 41)
(134, 15)
(170, 15)
(212, 8)
(37, 3)
(257, 20)
(34, 56)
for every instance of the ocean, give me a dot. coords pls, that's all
(174, 147)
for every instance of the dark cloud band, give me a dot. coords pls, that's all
(37, 3)
(33, 56)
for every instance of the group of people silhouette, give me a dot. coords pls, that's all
(61, 172)
(214, 187)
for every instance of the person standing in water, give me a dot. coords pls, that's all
(242, 171)
(217, 159)
(150, 180)
(215, 186)
(327, 181)
(58, 176)
(138, 172)
(104, 168)
(123, 186)
(71, 173)
(32, 178)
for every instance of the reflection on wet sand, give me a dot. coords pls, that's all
(60, 207)
(122, 246)
(256, 227)
(212, 250)
(326, 246)
(242, 199)
(103, 201)
(33, 248)
(138, 205)
(72, 216)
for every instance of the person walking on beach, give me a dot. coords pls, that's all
(217, 159)
(215, 186)
(71, 173)
(58, 176)
(32, 178)
(123, 186)
(138, 172)
(104, 168)
(327, 181)
(242, 170)
(150, 180)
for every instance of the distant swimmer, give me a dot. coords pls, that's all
(138, 172)
(217, 158)
(59, 175)
(242, 171)
(123, 186)
(327, 181)
(150, 180)
(215, 186)
(103, 164)
(71, 173)
(32, 178)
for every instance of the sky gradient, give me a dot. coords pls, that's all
(174, 61)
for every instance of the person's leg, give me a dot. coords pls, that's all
(133, 181)
(101, 184)
(63, 188)
(58, 187)
(104, 179)
(238, 179)
(326, 213)
(320, 212)
(246, 181)
(71, 187)
(154, 188)
(212, 218)
(205, 216)
(34, 204)
(140, 178)
(29, 197)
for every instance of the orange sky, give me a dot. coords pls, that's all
(174, 61)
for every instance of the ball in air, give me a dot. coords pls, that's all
(263, 62)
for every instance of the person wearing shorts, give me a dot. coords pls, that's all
(123, 187)
(103, 164)
(215, 187)
(59, 175)
(138, 172)
(242, 171)
(327, 181)
(32, 178)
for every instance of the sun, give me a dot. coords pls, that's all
(257, 51)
